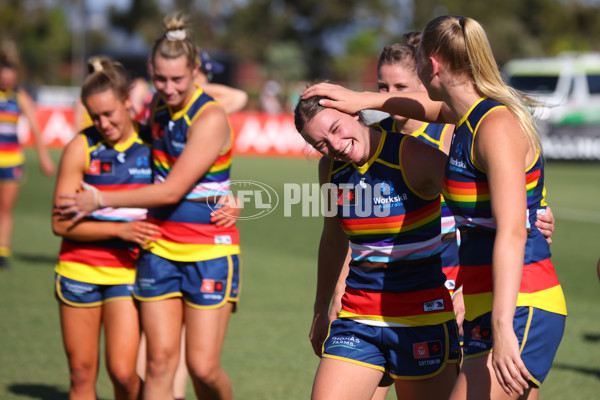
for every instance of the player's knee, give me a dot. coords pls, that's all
(123, 376)
(161, 363)
(82, 375)
(206, 373)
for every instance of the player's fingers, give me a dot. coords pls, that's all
(316, 90)
(515, 378)
(66, 199)
(67, 209)
(77, 217)
(149, 228)
(221, 218)
(500, 377)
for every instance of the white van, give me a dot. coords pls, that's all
(569, 87)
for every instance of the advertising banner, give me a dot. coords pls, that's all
(255, 133)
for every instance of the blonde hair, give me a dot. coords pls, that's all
(175, 42)
(105, 74)
(463, 44)
(9, 56)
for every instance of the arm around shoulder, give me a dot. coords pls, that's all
(232, 99)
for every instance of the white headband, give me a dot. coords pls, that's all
(175, 35)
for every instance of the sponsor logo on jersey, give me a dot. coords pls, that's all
(434, 305)
(349, 342)
(157, 131)
(481, 333)
(346, 196)
(342, 172)
(223, 239)
(427, 349)
(99, 167)
(212, 286)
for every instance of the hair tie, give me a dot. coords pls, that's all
(175, 35)
(97, 65)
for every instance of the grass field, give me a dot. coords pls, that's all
(267, 352)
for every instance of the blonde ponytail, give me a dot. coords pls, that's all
(462, 42)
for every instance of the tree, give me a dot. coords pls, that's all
(42, 41)
(320, 28)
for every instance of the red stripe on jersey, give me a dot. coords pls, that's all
(476, 278)
(535, 277)
(97, 256)
(10, 146)
(390, 304)
(190, 233)
(538, 276)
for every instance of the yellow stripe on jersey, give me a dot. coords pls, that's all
(551, 300)
(191, 252)
(96, 275)
(11, 159)
(413, 320)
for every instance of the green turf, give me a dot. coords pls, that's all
(267, 352)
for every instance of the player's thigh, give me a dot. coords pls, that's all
(122, 333)
(161, 322)
(81, 333)
(337, 379)
(205, 331)
(477, 380)
(437, 387)
(9, 190)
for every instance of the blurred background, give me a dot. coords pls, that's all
(273, 48)
(287, 41)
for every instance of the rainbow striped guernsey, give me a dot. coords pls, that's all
(467, 194)
(395, 276)
(434, 134)
(186, 231)
(10, 150)
(124, 166)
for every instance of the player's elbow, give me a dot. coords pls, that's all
(172, 197)
(58, 229)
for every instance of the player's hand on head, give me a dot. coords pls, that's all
(337, 97)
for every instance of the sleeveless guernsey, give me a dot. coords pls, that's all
(395, 276)
(186, 231)
(434, 134)
(124, 166)
(467, 194)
